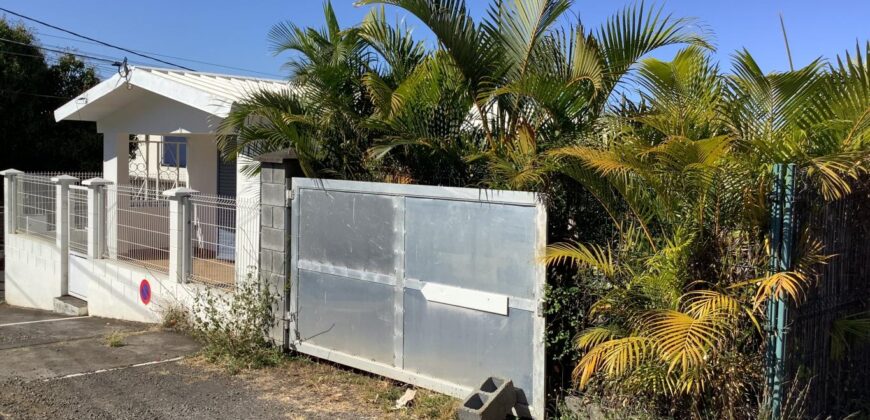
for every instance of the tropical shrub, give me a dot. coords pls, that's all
(234, 327)
(683, 173)
(656, 174)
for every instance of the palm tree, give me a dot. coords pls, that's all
(321, 113)
(683, 174)
(530, 84)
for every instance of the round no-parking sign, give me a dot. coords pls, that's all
(145, 291)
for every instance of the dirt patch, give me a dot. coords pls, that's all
(314, 388)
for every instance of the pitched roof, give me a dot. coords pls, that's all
(208, 92)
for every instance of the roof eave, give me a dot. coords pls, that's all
(68, 110)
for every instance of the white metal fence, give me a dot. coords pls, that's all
(78, 219)
(134, 227)
(221, 251)
(82, 176)
(35, 211)
(137, 228)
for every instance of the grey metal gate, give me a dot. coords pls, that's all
(436, 286)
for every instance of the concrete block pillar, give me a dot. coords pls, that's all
(61, 225)
(96, 216)
(10, 194)
(179, 233)
(276, 173)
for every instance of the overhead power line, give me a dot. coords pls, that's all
(90, 57)
(191, 60)
(38, 95)
(95, 40)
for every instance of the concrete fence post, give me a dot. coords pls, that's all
(61, 226)
(10, 196)
(96, 216)
(277, 170)
(179, 233)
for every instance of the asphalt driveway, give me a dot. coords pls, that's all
(53, 366)
(59, 367)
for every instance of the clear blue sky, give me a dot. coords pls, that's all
(233, 33)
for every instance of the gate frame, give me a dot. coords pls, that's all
(516, 198)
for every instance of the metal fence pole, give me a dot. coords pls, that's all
(61, 225)
(9, 197)
(179, 233)
(781, 248)
(96, 216)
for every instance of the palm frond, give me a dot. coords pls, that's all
(582, 255)
(684, 341)
(591, 337)
(614, 357)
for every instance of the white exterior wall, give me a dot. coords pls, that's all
(113, 292)
(202, 162)
(33, 272)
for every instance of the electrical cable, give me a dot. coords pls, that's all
(58, 51)
(207, 63)
(95, 40)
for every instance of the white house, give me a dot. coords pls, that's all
(159, 130)
(159, 127)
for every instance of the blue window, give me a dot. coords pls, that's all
(174, 152)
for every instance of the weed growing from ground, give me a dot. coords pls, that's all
(234, 327)
(115, 339)
(176, 317)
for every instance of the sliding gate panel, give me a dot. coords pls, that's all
(436, 286)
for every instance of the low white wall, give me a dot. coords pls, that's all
(33, 272)
(113, 292)
(33, 280)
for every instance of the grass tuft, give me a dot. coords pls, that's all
(115, 339)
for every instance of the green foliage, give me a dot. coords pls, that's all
(234, 327)
(655, 172)
(683, 173)
(30, 90)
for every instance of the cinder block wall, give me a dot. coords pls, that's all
(276, 177)
(274, 242)
(274, 238)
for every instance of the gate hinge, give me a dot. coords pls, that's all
(291, 194)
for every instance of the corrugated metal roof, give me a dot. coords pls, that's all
(229, 87)
(209, 92)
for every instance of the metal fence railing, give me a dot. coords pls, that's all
(137, 230)
(837, 373)
(35, 206)
(134, 226)
(219, 252)
(78, 219)
(82, 176)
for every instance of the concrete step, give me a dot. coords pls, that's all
(69, 305)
